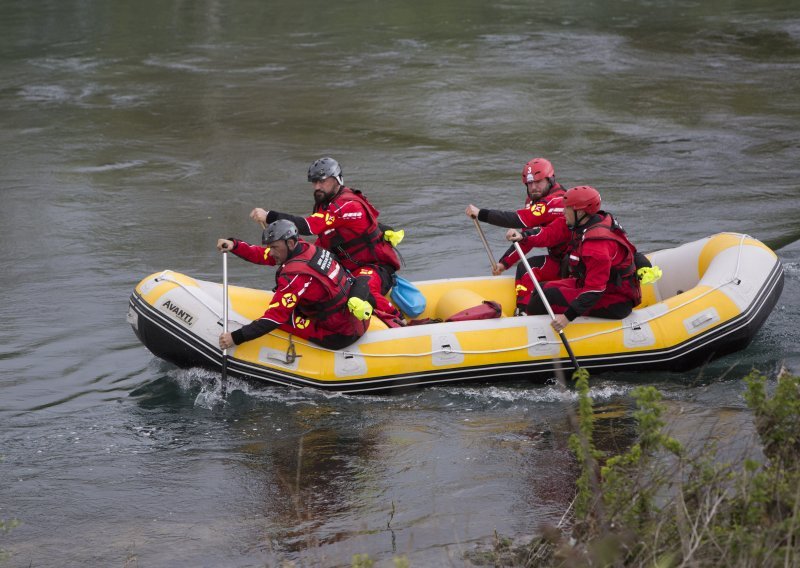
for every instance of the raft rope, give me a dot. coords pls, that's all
(633, 324)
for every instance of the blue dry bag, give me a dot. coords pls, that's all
(407, 297)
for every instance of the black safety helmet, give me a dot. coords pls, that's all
(280, 230)
(324, 168)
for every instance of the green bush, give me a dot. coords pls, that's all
(657, 505)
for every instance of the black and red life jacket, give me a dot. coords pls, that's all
(358, 249)
(321, 265)
(603, 226)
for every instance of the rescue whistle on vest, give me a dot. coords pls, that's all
(648, 274)
(359, 308)
(394, 237)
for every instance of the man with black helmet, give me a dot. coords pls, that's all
(347, 225)
(314, 297)
(603, 278)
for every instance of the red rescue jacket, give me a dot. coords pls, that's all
(623, 267)
(357, 248)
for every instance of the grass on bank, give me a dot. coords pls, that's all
(658, 505)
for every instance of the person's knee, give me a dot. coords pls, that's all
(554, 298)
(337, 341)
(536, 306)
(618, 310)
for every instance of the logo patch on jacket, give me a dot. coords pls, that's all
(538, 209)
(324, 261)
(289, 300)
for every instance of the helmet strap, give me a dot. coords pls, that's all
(579, 220)
(292, 250)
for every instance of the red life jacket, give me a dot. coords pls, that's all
(355, 248)
(321, 265)
(623, 270)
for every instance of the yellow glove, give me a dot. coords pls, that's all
(648, 275)
(394, 237)
(360, 308)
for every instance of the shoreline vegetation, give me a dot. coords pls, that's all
(665, 505)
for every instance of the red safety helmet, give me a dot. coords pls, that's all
(583, 198)
(536, 170)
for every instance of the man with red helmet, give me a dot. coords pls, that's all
(347, 225)
(602, 262)
(313, 292)
(542, 207)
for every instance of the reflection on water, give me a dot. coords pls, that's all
(134, 136)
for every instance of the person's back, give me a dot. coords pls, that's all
(603, 280)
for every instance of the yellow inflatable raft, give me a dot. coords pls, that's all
(714, 295)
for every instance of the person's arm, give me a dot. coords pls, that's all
(550, 235)
(302, 224)
(265, 217)
(508, 219)
(278, 312)
(246, 251)
(511, 257)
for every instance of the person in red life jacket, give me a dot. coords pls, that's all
(542, 206)
(602, 262)
(312, 294)
(347, 225)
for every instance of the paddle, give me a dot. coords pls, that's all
(485, 244)
(224, 382)
(546, 304)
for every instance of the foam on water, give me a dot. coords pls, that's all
(110, 167)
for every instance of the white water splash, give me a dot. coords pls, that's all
(536, 394)
(110, 167)
(792, 269)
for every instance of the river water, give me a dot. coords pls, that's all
(135, 134)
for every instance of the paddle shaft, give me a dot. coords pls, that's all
(546, 304)
(485, 244)
(224, 320)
